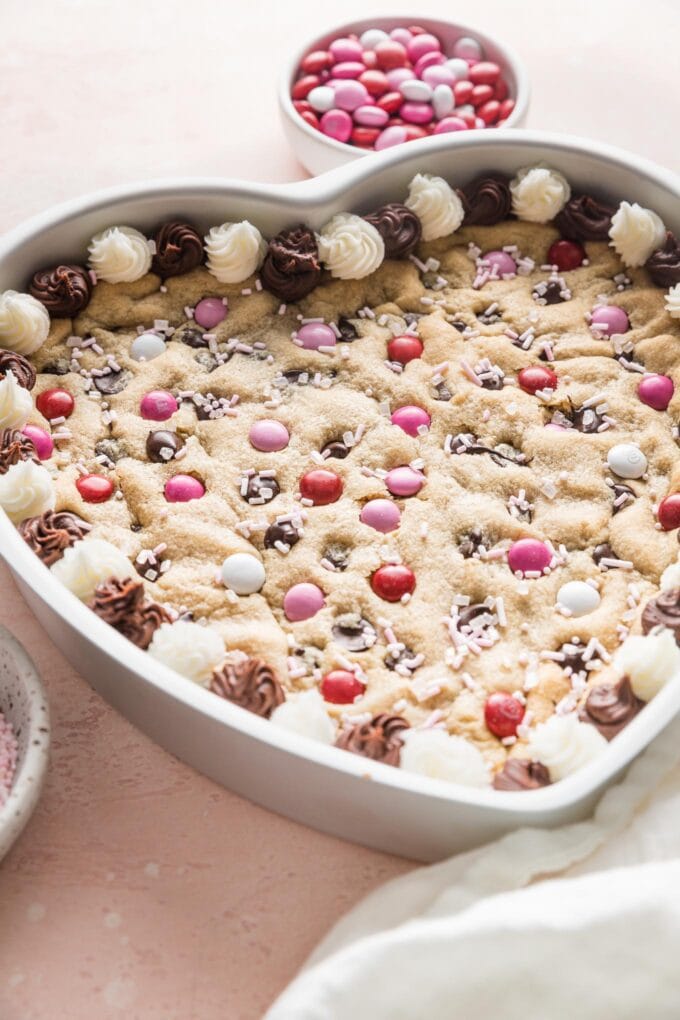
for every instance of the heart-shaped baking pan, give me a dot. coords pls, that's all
(339, 793)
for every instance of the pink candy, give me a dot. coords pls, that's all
(421, 44)
(654, 390)
(315, 335)
(528, 554)
(391, 136)
(269, 436)
(303, 601)
(417, 113)
(42, 441)
(345, 49)
(609, 320)
(502, 261)
(209, 312)
(337, 124)
(158, 405)
(183, 488)
(350, 95)
(371, 116)
(447, 124)
(439, 74)
(404, 481)
(381, 514)
(410, 419)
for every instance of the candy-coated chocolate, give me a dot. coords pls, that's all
(365, 137)
(528, 554)
(44, 445)
(462, 92)
(345, 49)
(669, 512)
(502, 261)
(337, 124)
(416, 91)
(316, 334)
(399, 75)
(157, 405)
(404, 348)
(488, 112)
(371, 116)
(55, 403)
(392, 581)
(656, 391)
(303, 86)
(507, 106)
(210, 312)
(500, 90)
(442, 100)
(566, 255)
(401, 35)
(303, 601)
(321, 487)
(609, 320)
(467, 48)
(534, 378)
(316, 61)
(243, 573)
(391, 136)
(428, 60)
(94, 488)
(350, 95)
(484, 73)
(375, 82)
(421, 44)
(371, 37)
(502, 714)
(404, 481)
(391, 101)
(321, 98)
(578, 597)
(447, 124)
(481, 94)
(627, 460)
(381, 514)
(439, 74)
(147, 346)
(311, 118)
(268, 435)
(410, 418)
(341, 687)
(390, 54)
(417, 113)
(459, 68)
(183, 488)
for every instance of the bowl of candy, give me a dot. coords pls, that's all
(24, 738)
(369, 85)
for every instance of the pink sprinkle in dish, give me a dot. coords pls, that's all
(8, 758)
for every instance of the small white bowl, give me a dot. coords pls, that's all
(318, 153)
(24, 704)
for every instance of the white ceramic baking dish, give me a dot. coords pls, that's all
(329, 789)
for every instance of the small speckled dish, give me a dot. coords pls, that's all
(23, 702)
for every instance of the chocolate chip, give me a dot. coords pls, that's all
(60, 366)
(550, 292)
(459, 325)
(603, 552)
(347, 330)
(336, 448)
(285, 532)
(191, 337)
(261, 490)
(206, 360)
(354, 632)
(112, 382)
(401, 657)
(619, 489)
(337, 555)
(112, 449)
(161, 446)
(442, 391)
(469, 544)
(469, 613)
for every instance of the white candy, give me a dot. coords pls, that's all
(468, 48)
(371, 37)
(243, 573)
(442, 100)
(578, 597)
(147, 346)
(416, 91)
(627, 460)
(459, 68)
(322, 98)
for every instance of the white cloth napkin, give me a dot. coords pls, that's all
(491, 934)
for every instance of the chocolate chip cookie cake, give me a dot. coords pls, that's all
(407, 483)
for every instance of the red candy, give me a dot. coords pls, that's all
(503, 714)
(341, 687)
(390, 54)
(462, 92)
(404, 348)
(489, 111)
(364, 137)
(484, 73)
(95, 488)
(481, 94)
(375, 82)
(321, 486)
(500, 90)
(669, 512)
(507, 106)
(317, 60)
(393, 581)
(390, 102)
(303, 86)
(566, 255)
(55, 404)
(536, 377)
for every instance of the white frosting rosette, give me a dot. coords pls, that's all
(24, 322)
(188, 648)
(234, 251)
(439, 755)
(671, 577)
(26, 490)
(672, 305)
(350, 247)
(539, 193)
(635, 233)
(16, 403)
(649, 661)
(119, 255)
(436, 205)
(564, 744)
(306, 715)
(88, 564)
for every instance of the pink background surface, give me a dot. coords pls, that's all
(140, 889)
